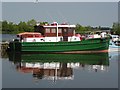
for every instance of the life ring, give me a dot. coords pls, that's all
(34, 40)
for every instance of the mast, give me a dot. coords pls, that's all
(57, 32)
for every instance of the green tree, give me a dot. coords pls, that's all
(116, 28)
(0, 27)
(10, 27)
(43, 23)
(83, 30)
(79, 29)
(5, 27)
(22, 27)
(30, 24)
(15, 29)
(88, 28)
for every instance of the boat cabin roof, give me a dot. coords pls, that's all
(27, 34)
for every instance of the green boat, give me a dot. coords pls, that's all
(58, 38)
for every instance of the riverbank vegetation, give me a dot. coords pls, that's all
(116, 28)
(13, 28)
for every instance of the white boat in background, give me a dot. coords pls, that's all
(115, 38)
(113, 46)
(115, 41)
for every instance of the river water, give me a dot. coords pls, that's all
(59, 70)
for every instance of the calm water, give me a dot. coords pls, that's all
(8, 37)
(60, 70)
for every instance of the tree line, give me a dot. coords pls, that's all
(116, 28)
(13, 28)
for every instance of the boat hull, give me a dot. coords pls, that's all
(95, 44)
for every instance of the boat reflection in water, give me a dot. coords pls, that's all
(58, 66)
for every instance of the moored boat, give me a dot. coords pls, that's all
(114, 43)
(57, 38)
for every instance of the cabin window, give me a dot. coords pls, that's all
(29, 35)
(65, 30)
(70, 30)
(37, 35)
(47, 30)
(59, 30)
(53, 30)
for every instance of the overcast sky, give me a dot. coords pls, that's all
(84, 13)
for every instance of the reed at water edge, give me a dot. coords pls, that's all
(3, 48)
